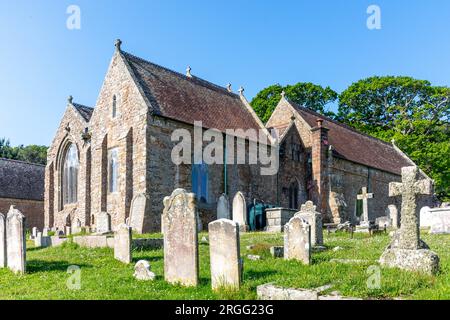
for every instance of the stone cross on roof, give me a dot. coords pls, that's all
(241, 90)
(408, 189)
(308, 207)
(364, 196)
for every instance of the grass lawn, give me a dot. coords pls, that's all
(102, 277)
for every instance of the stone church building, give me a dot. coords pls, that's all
(116, 156)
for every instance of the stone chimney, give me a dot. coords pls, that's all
(319, 154)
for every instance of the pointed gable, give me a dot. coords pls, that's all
(352, 145)
(190, 99)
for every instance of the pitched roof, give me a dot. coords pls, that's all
(85, 112)
(21, 180)
(355, 146)
(188, 99)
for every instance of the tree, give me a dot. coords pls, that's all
(309, 95)
(410, 111)
(31, 153)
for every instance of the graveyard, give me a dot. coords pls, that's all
(103, 277)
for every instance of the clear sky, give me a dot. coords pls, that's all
(248, 42)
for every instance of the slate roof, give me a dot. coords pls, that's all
(188, 99)
(21, 180)
(85, 112)
(355, 146)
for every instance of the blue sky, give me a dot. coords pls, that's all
(246, 42)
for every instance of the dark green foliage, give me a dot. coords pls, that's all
(31, 153)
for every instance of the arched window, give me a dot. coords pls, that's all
(70, 175)
(113, 169)
(200, 181)
(114, 106)
(293, 195)
(359, 206)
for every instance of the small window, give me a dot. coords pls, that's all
(114, 106)
(70, 175)
(113, 170)
(200, 181)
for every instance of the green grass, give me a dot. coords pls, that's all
(102, 277)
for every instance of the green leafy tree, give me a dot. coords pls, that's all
(412, 112)
(312, 96)
(31, 153)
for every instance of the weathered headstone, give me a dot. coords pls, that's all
(364, 196)
(309, 214)
(223, 207)
(439, 220)
(297, 240)
(240, 211)
(3, 261)
(15, 242)
(137, 212)
(225, 255)
(122, 243)
(393, 214)
(76, 226)
(45, 232)
(34, 232)
(407, 251)
(180, 238)
(142, 271)
(103, 222)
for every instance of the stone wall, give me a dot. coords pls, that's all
(32, 210)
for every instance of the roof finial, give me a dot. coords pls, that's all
(241, 90)
(188, 72)
(283, 94)
(319, 122)
(70, 99)
(118, 44)
(229, 87)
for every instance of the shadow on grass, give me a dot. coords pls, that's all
(36, 249)
(250, 274)
(34, 266)
(148, 258)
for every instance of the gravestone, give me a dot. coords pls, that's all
(393, 214)
(142, 271)
(309, 214)
(122, 243)
(15, 241)
(240, 211)
(34, 232)
(137, 212)
(407, 251)
(297, 240)
(225, 255)
(45, 232)
(223, 207)
(180, 238)
(103, 222)
(364, 196)
(76, 226)
(3, 261)
(439, 220)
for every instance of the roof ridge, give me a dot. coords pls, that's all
(345, 126)
(79, 105)
(23, 162)
(200, 81)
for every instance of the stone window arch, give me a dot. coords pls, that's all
(70, 168)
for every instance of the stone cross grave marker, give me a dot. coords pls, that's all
(240, 211)
(122, 243)
(180, 238)
(225, 258)
(3, 260)
(364, 196)
(297, 240)
(407, 250)
(103, 224)
(409, 188)
(137, 212)
(309, 214)
(16, 242)
(223, 207)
